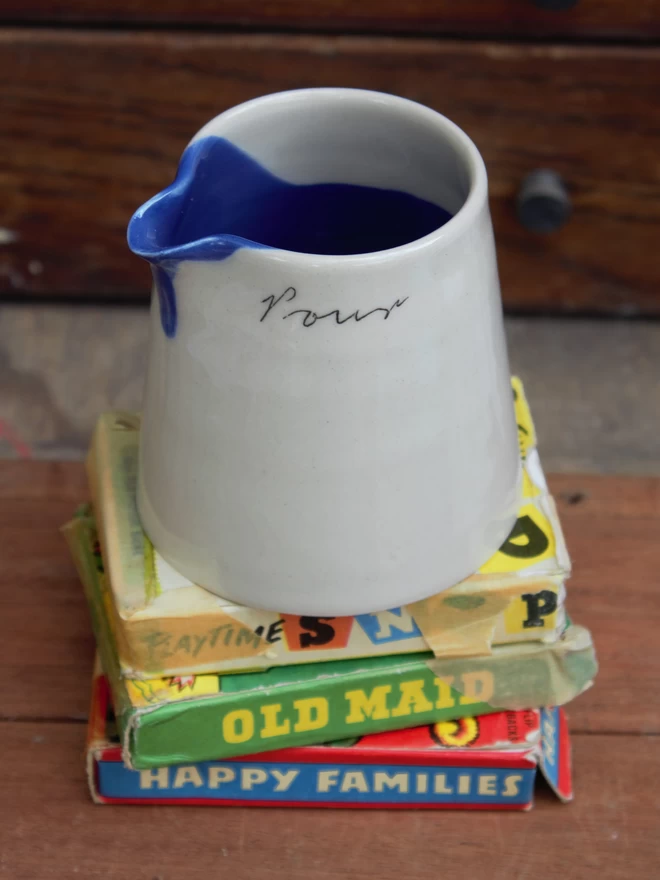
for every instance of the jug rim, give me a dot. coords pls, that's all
(452, 229)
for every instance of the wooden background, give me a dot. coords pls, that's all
(613, 19)
(98, 99)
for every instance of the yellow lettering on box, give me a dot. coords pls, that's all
(238, 726)
(445, 696)
(413, 699)
(312, 714)
(373, 706)
(478, 687)
(271, 726)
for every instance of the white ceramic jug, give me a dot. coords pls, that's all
(326, 433)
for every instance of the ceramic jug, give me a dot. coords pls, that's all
(328, 423)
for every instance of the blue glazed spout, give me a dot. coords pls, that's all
(222, 200)
(189, 219)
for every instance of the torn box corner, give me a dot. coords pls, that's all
(555, 757)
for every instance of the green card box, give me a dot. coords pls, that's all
(209, 717)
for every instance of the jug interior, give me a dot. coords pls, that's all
(231, 194)
(317, 176)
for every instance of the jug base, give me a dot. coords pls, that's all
(342, 600)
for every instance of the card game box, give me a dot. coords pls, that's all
(174, 719)
(483, 762)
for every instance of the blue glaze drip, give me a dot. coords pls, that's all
(164, 283)
(222, 200)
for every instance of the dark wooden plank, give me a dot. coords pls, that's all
(40, 482)
(47, 646)
(48, 826)
(614, 592)
(44, 629)
(116, 109)
(612, 526)
(592, 18)
(591, 496)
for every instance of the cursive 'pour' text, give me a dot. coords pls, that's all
(310, 317)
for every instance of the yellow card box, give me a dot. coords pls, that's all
(166, 625)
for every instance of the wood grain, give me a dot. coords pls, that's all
(49, 827)
(590, 496)
(94, 123)
(592, 18)
(41, 481)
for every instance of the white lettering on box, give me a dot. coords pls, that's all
(160, 776)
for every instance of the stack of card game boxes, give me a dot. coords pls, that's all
(449, 702)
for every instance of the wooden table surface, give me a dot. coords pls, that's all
(50, 829)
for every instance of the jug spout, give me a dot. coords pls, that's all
(189, 220)
(152, 236)
(199, 215)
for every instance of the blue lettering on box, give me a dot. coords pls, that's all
(389, 626)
